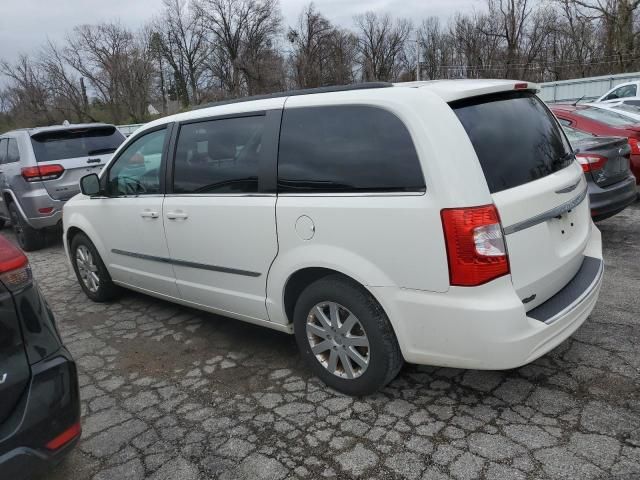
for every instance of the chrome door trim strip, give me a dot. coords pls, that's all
(549, 214)
(184, 263)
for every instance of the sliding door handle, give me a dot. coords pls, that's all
(177, 215)
(149, 214)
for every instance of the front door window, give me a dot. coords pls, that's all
(137, 169)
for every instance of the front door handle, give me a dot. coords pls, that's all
(149, 214)
(177, 215)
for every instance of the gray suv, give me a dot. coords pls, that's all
(40, 169)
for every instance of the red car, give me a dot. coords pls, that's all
(602, 122)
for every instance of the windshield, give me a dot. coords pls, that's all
(516, 138)
(61, 144)
(605, 116)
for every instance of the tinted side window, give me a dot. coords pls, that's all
(346, 149)
(136, 171)
(13, 154)
(628, 91)
(516, 138)
(219, 156)
(3, 150)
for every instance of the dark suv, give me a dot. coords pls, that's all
(39, 398)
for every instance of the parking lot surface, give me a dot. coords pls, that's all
(173, 393)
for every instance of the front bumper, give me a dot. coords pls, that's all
(607, 201)
(485, 327)
(48, 407)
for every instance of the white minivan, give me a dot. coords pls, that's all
(442, 223)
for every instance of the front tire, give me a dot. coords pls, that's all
(29, 238)
(91, 272)
(345, 336)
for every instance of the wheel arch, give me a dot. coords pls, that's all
(303, 277)
(77, 224)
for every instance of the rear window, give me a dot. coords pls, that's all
(630, 108)
(576, 135)
(516, 138)
(353, 148)
(61, 144)
(605, 116)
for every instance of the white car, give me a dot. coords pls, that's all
(623, 90)
(441, 223)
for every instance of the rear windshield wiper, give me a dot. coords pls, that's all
(98, 151)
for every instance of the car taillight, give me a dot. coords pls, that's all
(14, 266)
(42, 172)
(65, 437)
(635, 147)
(475, 245)
(590, 161)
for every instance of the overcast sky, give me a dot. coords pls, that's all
(26, 24)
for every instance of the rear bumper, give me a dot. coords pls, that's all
(483, 327)
(606, 202)
(50, 406)
(29, 204)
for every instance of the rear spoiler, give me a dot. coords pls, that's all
(451, 91)
(69, 132)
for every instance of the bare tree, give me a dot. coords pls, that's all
(243, 37)
(69, 91)
(381, 44)
(28, 94)
(117, 64)
(182, 41)
(322, 53)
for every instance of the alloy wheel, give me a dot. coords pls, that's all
(338, 340)
(87, 269)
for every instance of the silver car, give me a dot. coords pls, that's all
(40, 169)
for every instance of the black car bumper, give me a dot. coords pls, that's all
(48, 408)
(607, 201)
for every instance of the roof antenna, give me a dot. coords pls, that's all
(576, 102)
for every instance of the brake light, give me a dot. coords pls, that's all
(475, 245)
(590, 162)
(42, 172)
(635, 147)
(521, 86)
(14, 266)
(65, 437)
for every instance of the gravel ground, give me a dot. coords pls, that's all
(173, 393)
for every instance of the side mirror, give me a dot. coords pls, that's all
(90, 185)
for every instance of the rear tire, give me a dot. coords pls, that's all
(29, 238)
(362, 336)
(92, 274)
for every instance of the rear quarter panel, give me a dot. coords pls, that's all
(383, 240)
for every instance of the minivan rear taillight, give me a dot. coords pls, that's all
(590, 161)
(42, 172)
(475, 245)
(14, 266)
